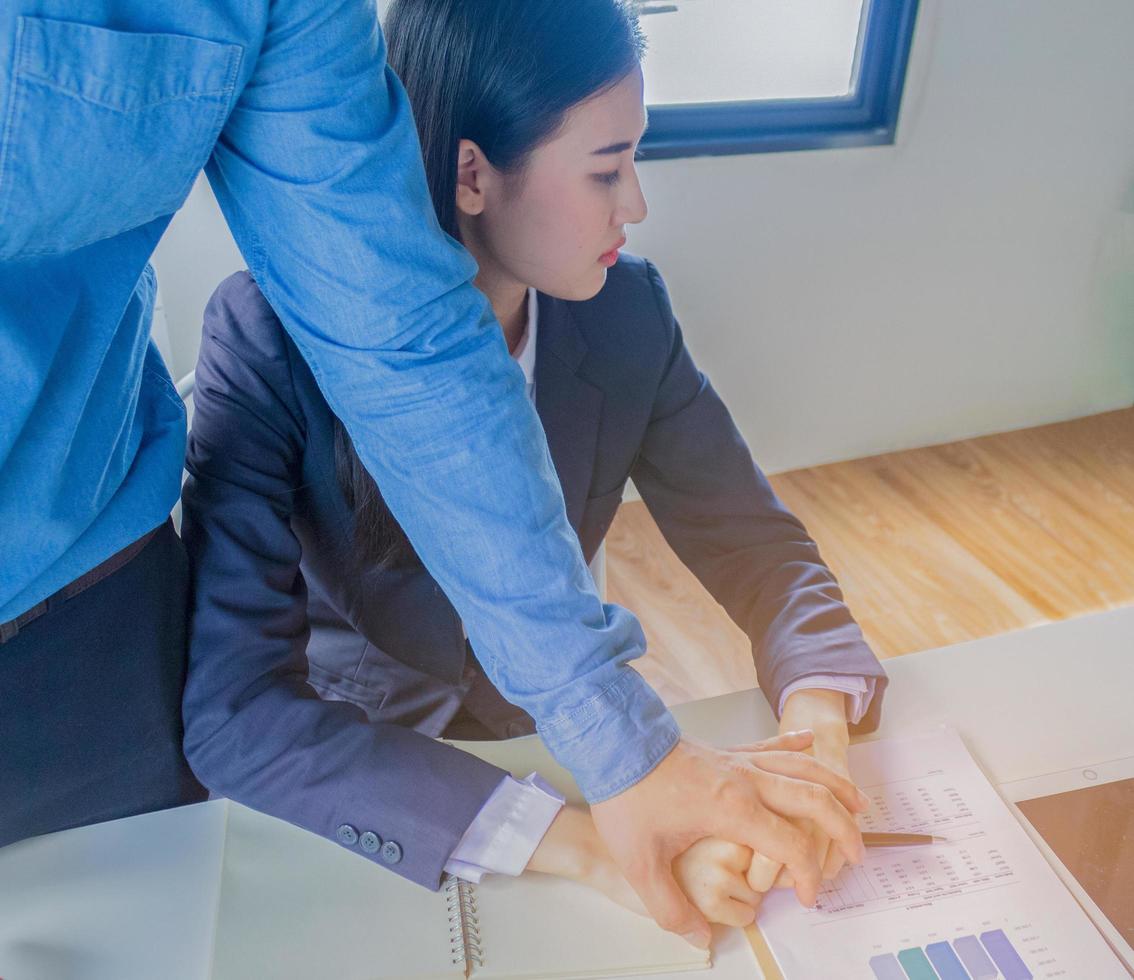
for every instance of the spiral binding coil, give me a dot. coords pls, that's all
(464, 923)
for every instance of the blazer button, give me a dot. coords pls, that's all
(391, 852)
(347, 835)
(370, 842)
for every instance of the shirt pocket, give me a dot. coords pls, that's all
(104, 130)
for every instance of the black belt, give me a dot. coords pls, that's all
(72, 589)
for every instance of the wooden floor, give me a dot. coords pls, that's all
(932, 547)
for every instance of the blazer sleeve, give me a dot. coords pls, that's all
(254, 730)
(724, 521)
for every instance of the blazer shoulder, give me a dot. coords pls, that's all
(632, 281)
(244, 346)
(238, 314)
(632, 308)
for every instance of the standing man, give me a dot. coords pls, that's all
(108, 110)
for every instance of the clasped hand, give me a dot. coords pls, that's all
(708, 831)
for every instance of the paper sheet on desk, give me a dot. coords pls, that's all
(983, 906)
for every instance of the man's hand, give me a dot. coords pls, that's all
(824, 714)
(747, 796)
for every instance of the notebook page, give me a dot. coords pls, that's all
(540, 927)
(293, 905)
(983, 904)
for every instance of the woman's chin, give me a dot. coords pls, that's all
(590, 288)
(580, 289)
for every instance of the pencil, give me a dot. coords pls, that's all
(900, 840)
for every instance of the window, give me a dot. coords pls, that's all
(745, 76)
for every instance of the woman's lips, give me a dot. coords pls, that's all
(609, 258)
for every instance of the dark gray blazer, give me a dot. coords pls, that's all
(312, 688)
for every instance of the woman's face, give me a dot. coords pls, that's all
(558, 225)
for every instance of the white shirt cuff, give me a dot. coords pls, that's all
(859, 692)
(506, 832)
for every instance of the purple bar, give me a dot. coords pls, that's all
(1002, 951)
(945, 962)
(886, 967)
(975, 958)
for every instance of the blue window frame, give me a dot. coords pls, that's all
(866, 116)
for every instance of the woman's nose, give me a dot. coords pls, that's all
(633, 208)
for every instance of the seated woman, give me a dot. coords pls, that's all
(324, 659)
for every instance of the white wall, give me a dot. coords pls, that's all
(194, 255)
(977, 276)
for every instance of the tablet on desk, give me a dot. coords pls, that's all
(1085, 818)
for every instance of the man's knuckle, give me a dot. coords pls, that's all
(735, 793)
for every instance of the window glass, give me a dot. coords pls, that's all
(744, 50)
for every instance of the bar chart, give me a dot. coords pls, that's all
(982, 904)
(987, 957)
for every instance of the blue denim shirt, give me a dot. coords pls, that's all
(108, 111)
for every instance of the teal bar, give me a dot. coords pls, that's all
(945, 961)
(915, 964)
(886, 967)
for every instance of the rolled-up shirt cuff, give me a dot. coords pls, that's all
(859, 692)
(506, 832)
(614, 739)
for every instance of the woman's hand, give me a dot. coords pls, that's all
(711, 872)
(712, 875)
(824, 714)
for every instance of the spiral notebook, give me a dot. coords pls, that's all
(292, 904)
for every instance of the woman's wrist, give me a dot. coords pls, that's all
(824, 713)
(571, 848)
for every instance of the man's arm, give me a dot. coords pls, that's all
(319, 174)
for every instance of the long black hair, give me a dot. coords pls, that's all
(503, 73)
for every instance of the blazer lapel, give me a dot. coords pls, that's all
(569, 406)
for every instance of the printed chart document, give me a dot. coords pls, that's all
(984, 905)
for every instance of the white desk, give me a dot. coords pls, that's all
(134, 898)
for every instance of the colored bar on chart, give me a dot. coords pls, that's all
(886, 967)
(1004, 954)
(945, 962)
(975, 958)
(915, 964)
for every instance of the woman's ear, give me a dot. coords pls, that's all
(472, 170)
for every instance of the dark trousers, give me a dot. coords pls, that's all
(90, 700)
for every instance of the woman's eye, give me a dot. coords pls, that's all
(608, 179)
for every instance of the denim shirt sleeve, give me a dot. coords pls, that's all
(319, 174)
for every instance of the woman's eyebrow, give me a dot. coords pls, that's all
(613, 148)
(623, 147)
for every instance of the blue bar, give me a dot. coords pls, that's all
(886, 967)
(916, 965)
(975, 958)
(945, 961)
(1002, 951)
